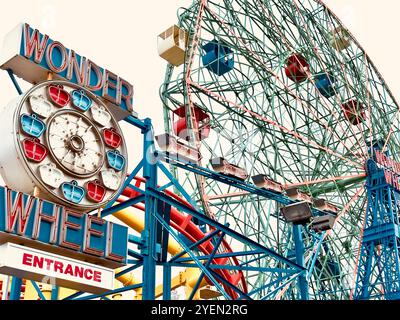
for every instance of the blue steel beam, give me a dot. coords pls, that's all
(129, 269)
(122, 205)
(14, 81)
(211, 222)
(133, 239)
(177, 185)
(15, 291)
(126, 183)
(167, 282)
(194, 245)
(38, 291)
(227, 283)
(317, 246)
(299, 247)
(193, 256)
(207, 265)
(134, 254)
(283, 285)
(234, 268)
(54, 292)
(149, 249)
(137, 123)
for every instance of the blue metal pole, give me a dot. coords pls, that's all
(15, 291)
(54, 293)
(14, 81)
(40, 293)
(149, 250)
(166, 281)
(299, 247)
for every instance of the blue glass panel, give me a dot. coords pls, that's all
(73, 192)
(218, 58)
(115, 160)
(32, 125)
(325, 84)
(81, 100)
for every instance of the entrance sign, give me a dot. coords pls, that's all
(32, 55)
(47, 226)
(23, 262)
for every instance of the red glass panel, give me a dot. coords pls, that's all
(58, 95)
(95, 191)
(296, 68)
(34, 150)
(354, 112)
(112, 138)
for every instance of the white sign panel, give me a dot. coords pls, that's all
(40, 266)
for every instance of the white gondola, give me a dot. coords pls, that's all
(340, 38)
(51, 176)
(323, 223)
(323, 205)
(177, 149)
(297, 213)
(172, 44)
(296, 194)
(100, 115)
(262, 181)
(110, 179)
(222, 166)
(40, 106)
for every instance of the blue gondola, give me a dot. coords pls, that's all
(72, 191)
(218, 58)
(115, 160)
(80, 100)
(32, 125)
(325, 84)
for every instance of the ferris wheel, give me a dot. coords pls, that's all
(279, 94)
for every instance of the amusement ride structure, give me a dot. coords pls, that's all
(276, 178)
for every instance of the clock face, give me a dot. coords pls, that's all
(72, 146)
(75, 143)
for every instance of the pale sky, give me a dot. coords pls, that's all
(122, 38)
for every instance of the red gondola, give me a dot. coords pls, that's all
(297, 68)
(202, 121)
(354, 112)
